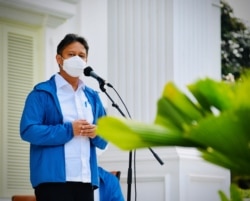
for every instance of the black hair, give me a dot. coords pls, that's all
(70, 38)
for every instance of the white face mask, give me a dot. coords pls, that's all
(74, 66)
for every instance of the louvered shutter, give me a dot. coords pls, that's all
(18, 67)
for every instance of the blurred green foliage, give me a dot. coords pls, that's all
(235, 42)
(215, 121)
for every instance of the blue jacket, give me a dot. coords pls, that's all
(42, 126)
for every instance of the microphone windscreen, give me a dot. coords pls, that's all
(87, 71)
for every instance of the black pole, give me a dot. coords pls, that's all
(129, 175)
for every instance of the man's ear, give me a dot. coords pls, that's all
(59, 60)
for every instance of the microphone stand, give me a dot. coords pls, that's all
(129, 176)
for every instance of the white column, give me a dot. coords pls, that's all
(196, 40)
(154, 42)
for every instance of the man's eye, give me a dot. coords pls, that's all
(82, 56)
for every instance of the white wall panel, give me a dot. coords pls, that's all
(137, 53)
(153, 42)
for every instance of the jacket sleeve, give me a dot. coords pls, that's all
(41, 121)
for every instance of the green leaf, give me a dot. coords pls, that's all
(211, 93)
(241, 98)
(221, 133)
(179, 100)
(238, 166)
(128, 134)
(169, 116)
(223, 197)
(234, 194)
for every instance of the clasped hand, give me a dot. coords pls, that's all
(84, 128)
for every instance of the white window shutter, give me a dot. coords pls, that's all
(18, 72)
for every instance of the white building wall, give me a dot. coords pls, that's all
(153, 42)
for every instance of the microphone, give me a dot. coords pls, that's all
(88, 71)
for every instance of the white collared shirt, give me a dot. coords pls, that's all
(75, 105)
